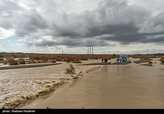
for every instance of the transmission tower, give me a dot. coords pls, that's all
(90, 48)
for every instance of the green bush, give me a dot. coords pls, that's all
(114, 56)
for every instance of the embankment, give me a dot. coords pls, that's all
(27, 66)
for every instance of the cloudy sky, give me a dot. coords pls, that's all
(111, 26)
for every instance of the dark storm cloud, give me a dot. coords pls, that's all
(137, 38)
(8, 6)
(111, 20)
(30, 22)
(72, 43)
(7, 10)
(110, 17)
(157, 39)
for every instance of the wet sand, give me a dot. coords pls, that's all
(113, 86)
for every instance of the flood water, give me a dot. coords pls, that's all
(17, 84)
(113, 86)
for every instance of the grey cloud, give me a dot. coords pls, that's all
(72, 43)
(29, 23)
(137, 38)
(157, 39)
(8, 9)
(8, 6)
(113, 18)
(154, 24)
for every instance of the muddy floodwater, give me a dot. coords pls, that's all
(17, 86)
(105, 86)
(111, 86)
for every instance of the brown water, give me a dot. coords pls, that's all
(33, 73)
(16, 84)
(119, 86)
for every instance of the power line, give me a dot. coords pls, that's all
(90, 48)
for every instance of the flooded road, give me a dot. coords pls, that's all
(113, 86)
(17, 86)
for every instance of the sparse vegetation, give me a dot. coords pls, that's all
(52, 61)
(12, 61)
(21, 61)
(1, 60)
(72, 58)
(5, 62)
(162, 60)
(114, 56)
(76, 61)
(143, 60)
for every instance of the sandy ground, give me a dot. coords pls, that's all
(111, 86)
(17, 86)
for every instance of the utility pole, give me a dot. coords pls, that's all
(90, 48)
(62, 51)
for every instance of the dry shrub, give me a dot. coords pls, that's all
(52, 61)
(70, 70)
(84, 59)
(72, 59)
(39, 59)
(59, 59)
(21, 61)
(150, 62)
(12, 61)
(67, 60)
(1, 60)
(76, 61)
(114, 56)
(5, 62)
(144, 59)
(162, 59)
